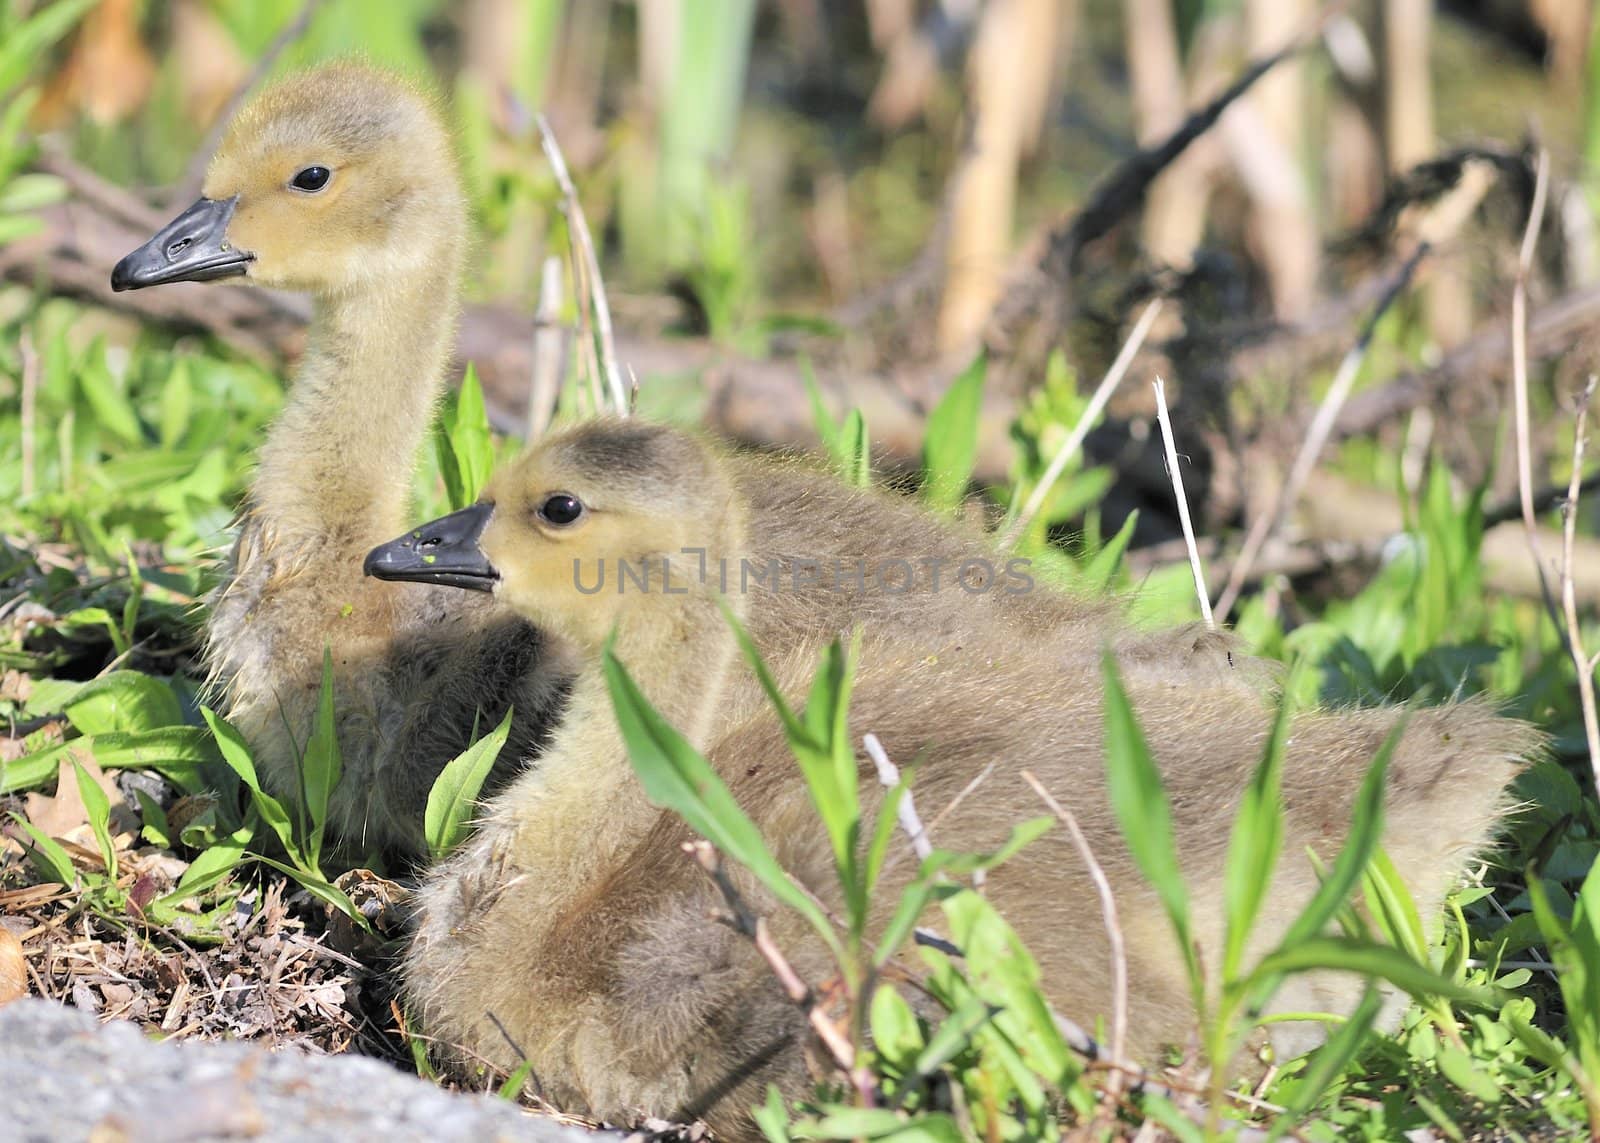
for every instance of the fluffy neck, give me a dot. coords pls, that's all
(336, 467)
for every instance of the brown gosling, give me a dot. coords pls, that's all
(573, 922)
(341, 182)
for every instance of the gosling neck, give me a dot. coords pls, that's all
(336, 468)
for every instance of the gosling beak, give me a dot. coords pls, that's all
(443, 551)
(191, 248)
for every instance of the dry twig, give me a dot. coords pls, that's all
(1183, 505)
(1519, 379)
(1091, 413)
(1108, 912)
(745, 922)
(1585, 664)
(583, 253)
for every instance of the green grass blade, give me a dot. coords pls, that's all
(1256, 840)
(1369, 959)
(321, 764)
(97, 808)
(676, 776)
(237, 755)
(1329, 1063)
(950, 448)
(1140, 804)
(1366, 828)
(48, 856)
(454, 795)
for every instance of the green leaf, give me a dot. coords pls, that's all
(896, 1036)
(321, 764)
(1366, 827)
(214, 863)
(153, 827)
(773, 1116)
(511, 1090)
(954, 1034)
(855, 450)
(1099, 573)
(177, 405)
(25, 44)
(123, 702)
(237, 755)
(1329, 1063)
(177, 752)
(97, 807)
(319, 887)
(950, 448)
(1368, 959)
(454, 795)
(49, 858)
(1253, 847)
(112, 409)
(1140, 804)
(674, 775)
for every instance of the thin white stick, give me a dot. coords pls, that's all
(1569, 596)
(1183, 504)
(1108, 911)
(1091, 413)
(906, 812)
(1519, 379)
(585, 241)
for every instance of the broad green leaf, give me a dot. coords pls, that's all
(454, 795)
(97, 807)
(950, 447)
(153, 827)
(1140, 804)
(123, 702)
(112, 409)
(176, 752)
(213, 864)
(773, 1116)
(954, 1034)
(896, 1035)
(674, 775)
(237, 755)
(1003, 972)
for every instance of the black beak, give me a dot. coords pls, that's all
(191, 248)
(442, 551)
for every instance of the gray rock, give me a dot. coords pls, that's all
(65, 1077)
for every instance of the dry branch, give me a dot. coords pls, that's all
(1585, 665)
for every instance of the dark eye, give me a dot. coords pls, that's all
(311, 179)
(561, 509)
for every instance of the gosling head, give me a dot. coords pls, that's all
(607, 519)
(331, 179)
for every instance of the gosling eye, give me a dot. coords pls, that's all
(560, 509)
(311, 179)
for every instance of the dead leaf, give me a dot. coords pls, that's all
(16, 687)
(13, 968)
(61, 814)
